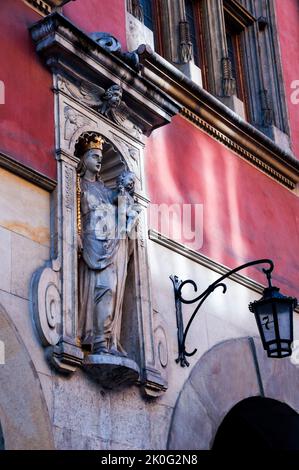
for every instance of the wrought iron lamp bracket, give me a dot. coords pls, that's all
(178, 285)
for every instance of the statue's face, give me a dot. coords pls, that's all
(93, 160)
(116, 98)
(129, 182)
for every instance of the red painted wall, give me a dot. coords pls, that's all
(99, 15)
(288, 26)
(247, 215)
(27, 117)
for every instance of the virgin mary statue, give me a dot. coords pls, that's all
(104, 254)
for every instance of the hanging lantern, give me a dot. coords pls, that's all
(274, 318)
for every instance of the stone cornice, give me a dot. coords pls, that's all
(205, 261)
(45, 7)
(66, 48)
(209, 114)
(33, 176)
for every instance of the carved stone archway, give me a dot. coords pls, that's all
(24, 417)
(225, 375)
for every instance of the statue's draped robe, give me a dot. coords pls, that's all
(103, 265)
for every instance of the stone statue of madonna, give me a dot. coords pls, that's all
(104, 254)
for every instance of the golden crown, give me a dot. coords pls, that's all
(95, 142)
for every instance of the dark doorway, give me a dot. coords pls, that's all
(2, 447)
(259, 423)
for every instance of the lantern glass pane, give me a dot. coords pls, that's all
(265, 318)
(283, 316)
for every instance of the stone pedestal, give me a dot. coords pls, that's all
(111, 371)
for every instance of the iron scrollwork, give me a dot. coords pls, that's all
(179, 300)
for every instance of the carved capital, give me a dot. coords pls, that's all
(153, 384)
(67, 355)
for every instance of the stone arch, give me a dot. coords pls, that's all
(24, 417)
(228, 373)
(115, 158)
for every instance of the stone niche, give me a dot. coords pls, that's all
(84, 69)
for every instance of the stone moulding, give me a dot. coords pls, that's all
(29, 174)
(85, 74)
(59, 41)
(212, 116)
(205, 261)
(45, 7)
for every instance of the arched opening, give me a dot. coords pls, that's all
(2, 443)
(259, 423)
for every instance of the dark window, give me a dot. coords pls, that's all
(191, 18)
(193, 10)
(235, 53)
(148, 13)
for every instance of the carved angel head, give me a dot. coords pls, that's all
(111, 98)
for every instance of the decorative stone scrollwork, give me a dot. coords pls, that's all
(161, 341)
(47, 305)
(107, 41)
(111, 44)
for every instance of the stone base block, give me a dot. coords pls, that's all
(111, 371)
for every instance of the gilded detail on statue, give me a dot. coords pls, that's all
(107, 218)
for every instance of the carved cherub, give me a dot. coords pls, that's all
(129, 210)
(114, 108)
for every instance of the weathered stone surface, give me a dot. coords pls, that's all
(26, 257)
(25, 208)
(24, 414)
(160, 419)
(47, 387)
(5, 257)
(67, 439)
(137, 33)
(112, 371)
(78, 404)
(130, 419)
(280, 377)
(224, 376)
(190, 430)
(19, 312)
